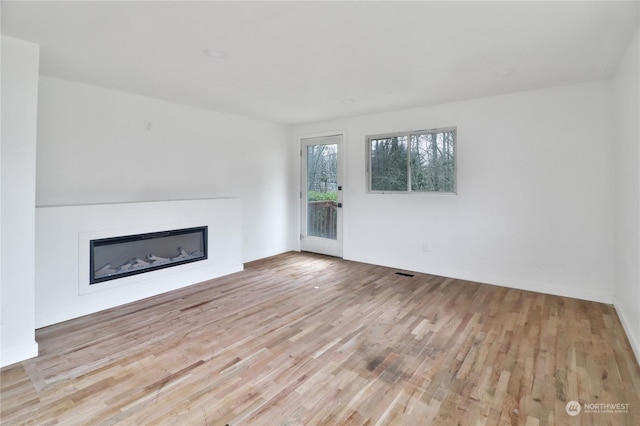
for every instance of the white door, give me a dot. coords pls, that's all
(321, 195)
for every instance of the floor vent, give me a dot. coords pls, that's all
(404, 274)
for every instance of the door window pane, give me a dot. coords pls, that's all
(322, 190)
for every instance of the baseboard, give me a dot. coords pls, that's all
(250, 257)
(581, 294)
(501, 281)
(11, 356)
(633, 341)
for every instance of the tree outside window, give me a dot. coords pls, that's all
(412, 162)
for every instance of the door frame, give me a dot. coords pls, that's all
(327, 247)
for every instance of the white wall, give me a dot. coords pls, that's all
(627, 184)
(94, 147)
(17, 224)
(534, 203)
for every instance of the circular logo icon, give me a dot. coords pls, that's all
(573, 408)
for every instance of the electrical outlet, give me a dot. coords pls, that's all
(425, 247)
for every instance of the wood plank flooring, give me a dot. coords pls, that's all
(303, 339)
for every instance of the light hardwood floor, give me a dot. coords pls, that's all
(302, 339)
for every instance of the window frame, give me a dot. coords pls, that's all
(409, 135)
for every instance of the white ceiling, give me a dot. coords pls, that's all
(296, 62)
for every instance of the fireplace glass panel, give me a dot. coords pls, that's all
(118, 257)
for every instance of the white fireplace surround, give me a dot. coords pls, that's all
(63, 233)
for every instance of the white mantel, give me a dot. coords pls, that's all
(62, 248)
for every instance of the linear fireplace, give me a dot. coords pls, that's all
(117, 257)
